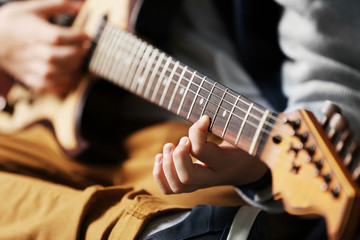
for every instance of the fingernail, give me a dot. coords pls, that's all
(183, 141)
(158, 159)
(167, 149)
(203, 118)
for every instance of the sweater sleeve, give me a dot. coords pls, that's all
(322, 53)
(259, 194)
(322, 63)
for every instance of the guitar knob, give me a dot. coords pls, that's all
(337, 123)
(328, 110)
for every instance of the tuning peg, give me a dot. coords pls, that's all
(328, 110)
(345, 138)
(337, 123)
(351, 155)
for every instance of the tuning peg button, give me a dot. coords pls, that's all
(337, 123)
(345, 138)
(352, 153)
(328, 110)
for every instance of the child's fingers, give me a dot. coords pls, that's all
(159, 175)
(183, 162)
(198, 134)
(207, 152)
(169, 169)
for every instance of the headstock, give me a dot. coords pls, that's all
(309, 174)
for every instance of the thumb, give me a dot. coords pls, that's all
(206, 152)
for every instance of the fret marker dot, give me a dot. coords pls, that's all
(164, 81)
(224, 113)
(140, 80)
(182, 91)
(201, 101)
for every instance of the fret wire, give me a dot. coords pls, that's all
(217, 109)
(194, 100)
(228, 120)
(220, 89)
(119, 44)
(108, 62)
(186, 91)
(104, 48)
(203, 79)
(214, 95)
(160, 79)
(148, 68)
(154, 73)
(135, 64)
(243, 101)
(208, 98)
(168, 83)
(138, 78)
(243, 123)
(97, 53)
(257, 133)
(176, 88)
(119, 68)
(255, 108)
(246, 103)
(129, 60)
(98, 56)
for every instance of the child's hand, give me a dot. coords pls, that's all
(224, 164)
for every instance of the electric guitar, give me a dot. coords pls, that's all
(308, 172)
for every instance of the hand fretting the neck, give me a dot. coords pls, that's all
(138, 67)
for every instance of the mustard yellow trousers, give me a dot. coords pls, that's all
(45, 194)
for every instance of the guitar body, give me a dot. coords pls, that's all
(62, 113)
(308, 174)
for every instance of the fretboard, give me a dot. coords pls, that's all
(134, 65)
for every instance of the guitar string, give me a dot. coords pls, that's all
(233, 115)
(252, 115)
(215, 95)
(135, 39)
(182, 66)
(114, 28)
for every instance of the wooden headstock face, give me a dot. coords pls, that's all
(308, 173)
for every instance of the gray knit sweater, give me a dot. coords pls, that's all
(321, 40)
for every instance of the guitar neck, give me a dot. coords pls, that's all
(134, 65)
